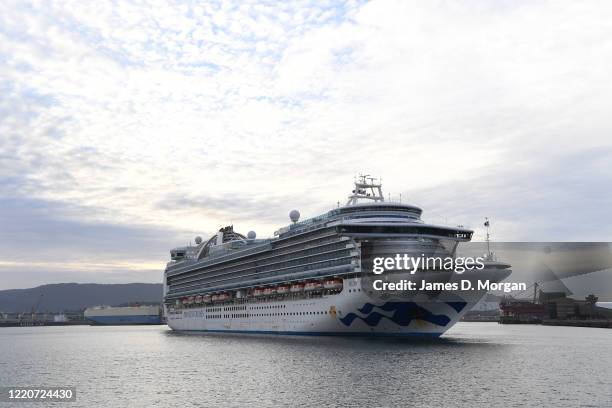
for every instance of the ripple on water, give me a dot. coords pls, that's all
(475, 364)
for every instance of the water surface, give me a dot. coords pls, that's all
(474, 364)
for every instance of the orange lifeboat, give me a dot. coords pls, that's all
(296, 288)
(258, 292)
(206, 298)
(198, 299)
(223, 297)
(282, 289)
(312, 285)
(271, 290)
(185, 300)
(333, 284)
(215, 297)
(190, 300)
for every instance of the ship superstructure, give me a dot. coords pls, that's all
(308, 278)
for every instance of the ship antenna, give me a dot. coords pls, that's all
(487, 224)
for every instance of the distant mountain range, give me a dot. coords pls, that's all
(77, 296)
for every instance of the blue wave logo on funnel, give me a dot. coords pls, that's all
(403, 314)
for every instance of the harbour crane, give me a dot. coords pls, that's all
(35, 307)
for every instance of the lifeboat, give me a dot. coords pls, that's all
(190, 300)
(282, 289)
(332, 284)
(258, 292)
(223, 297)
(312, 285)
(206, 298)
(271, 290)
(215, 297)
(296, 288)
(185, 300)
(198, 299)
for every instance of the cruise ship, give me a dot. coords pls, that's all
(314, 277)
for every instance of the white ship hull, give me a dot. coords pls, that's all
(350, 312)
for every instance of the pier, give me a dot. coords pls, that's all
(41, 319)
(555, 309)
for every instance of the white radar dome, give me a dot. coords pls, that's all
(294, 215)
(251, 235)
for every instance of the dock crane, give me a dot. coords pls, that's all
(35, 307)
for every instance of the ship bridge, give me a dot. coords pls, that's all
(366, 203)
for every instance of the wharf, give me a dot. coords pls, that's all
(16, 323)
(605, 324)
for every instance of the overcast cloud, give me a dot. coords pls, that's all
(129, 127)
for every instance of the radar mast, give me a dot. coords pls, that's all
(366, 188)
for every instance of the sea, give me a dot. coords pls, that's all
(472, 365)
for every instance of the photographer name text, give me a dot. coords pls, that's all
(464, 284)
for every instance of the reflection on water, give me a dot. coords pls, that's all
(475, 364)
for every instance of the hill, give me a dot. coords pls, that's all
(77, 296)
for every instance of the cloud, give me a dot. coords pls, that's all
(41, 239)
(183, 116)
(531, 200)
(259, 210)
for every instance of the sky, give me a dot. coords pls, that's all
(130, 127)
